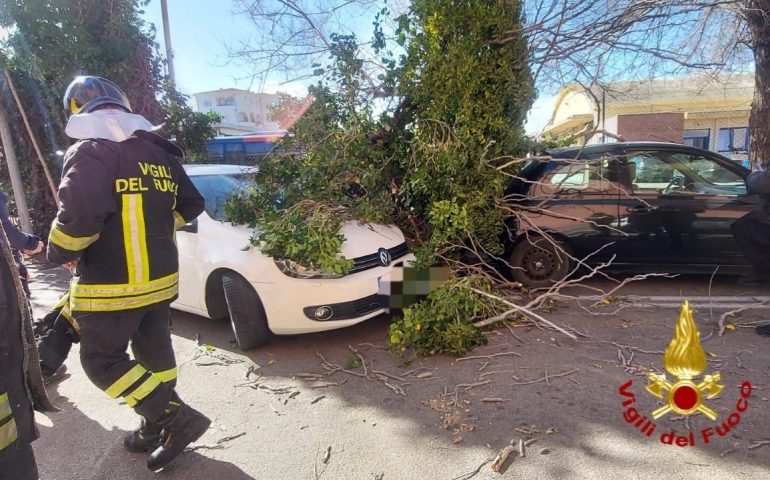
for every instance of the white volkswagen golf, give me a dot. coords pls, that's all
(222, 275)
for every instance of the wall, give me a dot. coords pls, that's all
(655, 127)
(249, 108)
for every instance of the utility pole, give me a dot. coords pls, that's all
(13, 171)
(32, 137)
(167, 37)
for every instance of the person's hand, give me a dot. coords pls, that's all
(38, 248)
(71, 265)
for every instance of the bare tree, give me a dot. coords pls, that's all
(594, 42)
(295, 37)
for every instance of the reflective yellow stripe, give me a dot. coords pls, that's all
(128, 379)
(146, 388)
(73, 244)
(178, 220)
(5, 406)
(125, 303)
(67, 314)
(8, 434)
(125, 290)
(134, 238)
(64, 300)
(166, 375)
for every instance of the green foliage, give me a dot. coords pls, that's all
(50, 42)
(443, 323)
(189, 128)
(425, 161)
(353, 363)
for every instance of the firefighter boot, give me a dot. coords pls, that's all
(144, 439)
(53, 347)
(186, 426)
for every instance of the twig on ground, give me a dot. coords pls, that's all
(502, 456)
(495, 400)
(757, 444)
(478, 357)
(329, 384)
(532, 315)
(728, 451)
(546, 377)
(360, 357)
(468, 386)
(469, 475)
(723, 317)
(317, 399)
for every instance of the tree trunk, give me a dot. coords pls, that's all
(13, 171)
(757, 12)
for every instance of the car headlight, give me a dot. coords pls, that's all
(294, 269)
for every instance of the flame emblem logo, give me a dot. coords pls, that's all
(684, 359)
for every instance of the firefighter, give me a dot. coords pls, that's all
(21, 384)
(122, 194)
(20, 242)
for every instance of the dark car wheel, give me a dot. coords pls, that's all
(539, 262)
(247, 315)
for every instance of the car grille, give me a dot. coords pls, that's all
(372, 261)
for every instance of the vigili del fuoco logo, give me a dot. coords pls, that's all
(686, 393)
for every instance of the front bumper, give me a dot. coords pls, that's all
(353, 299)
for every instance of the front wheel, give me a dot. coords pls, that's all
(539, 262)
(247, 315)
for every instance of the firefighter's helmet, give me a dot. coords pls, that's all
(86, 93)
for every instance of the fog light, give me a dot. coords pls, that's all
(324, 313)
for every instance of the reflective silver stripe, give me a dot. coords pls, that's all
(5, 407)
(8, 434)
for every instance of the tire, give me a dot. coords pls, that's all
(247, 315)
(539, 262)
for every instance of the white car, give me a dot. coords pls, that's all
(221, 275)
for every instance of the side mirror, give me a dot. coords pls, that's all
(191, 226)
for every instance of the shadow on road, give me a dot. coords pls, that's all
(525, 384)
(70, 434)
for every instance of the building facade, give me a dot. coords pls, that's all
(242, 111)
(707, 112)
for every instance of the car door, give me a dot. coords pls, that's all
(187, 241)
(678, 208)
(578, 200)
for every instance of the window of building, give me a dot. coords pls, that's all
(697, 138)
(207, 103)
(733, 140)
(225, 101)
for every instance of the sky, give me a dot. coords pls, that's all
(201, 31)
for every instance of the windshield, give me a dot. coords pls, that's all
(217, 190)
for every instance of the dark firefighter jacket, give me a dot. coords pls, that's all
(18, 239)
(119, 206)
(21, 384)
(759, 183)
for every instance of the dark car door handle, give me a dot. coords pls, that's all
(639, 209)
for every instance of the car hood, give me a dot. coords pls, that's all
(366, 238)
(360, 238)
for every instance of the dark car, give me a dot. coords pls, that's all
(641, 206)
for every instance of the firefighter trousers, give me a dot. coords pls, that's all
(147, 381)
(18, 463)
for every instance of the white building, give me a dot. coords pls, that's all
(241, 110)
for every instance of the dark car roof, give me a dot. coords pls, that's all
(591, 150)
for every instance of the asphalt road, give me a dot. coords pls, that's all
(294, 419)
